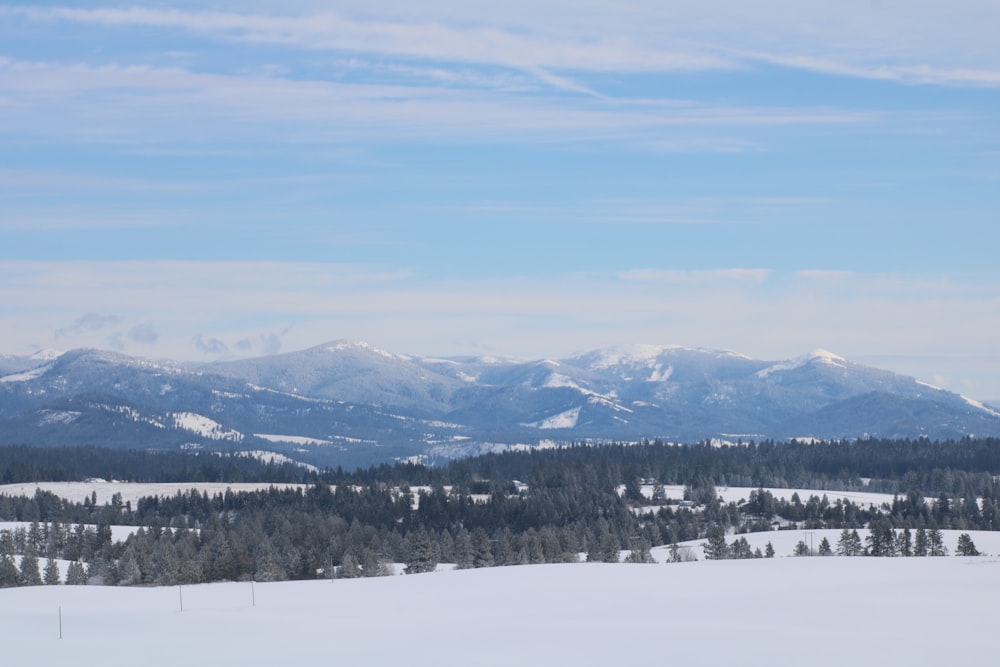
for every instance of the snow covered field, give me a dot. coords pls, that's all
(813, 611)
(131, 492)
(734, 494)
(77, 491)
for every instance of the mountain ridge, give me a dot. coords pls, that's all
(351, 402)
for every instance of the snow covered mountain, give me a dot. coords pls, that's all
(352, 404)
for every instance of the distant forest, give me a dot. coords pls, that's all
(509, 508)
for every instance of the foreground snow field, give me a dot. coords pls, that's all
(813, 611)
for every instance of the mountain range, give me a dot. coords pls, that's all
(350, 403)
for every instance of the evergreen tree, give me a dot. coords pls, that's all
(482, 551)
(881, 540)
(9, 574)
(920, 544)
(349, 567)
(824, 547)
(966, 547)
(716, 548)
(421, 558)
(801, 549)
(740, 549)
(30, 576)
(904, 543)
(769, 550)
(463, 549)
(849, 543)
(51, 575)
(935, 542)
(75, 574)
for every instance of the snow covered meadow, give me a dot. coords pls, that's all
(815, 611)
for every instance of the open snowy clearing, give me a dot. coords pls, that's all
(132, 491)
(76, 492)
(818, 611)
(734, 494)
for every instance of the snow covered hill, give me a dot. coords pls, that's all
(350, 403)
(818, 611)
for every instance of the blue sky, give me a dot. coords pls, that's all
(531, 178)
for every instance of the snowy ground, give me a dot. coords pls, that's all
(78, 491)
(131, 492)
(814, 611)
(736, 493)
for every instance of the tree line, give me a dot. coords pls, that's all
(501, 509)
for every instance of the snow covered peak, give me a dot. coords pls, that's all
(342, 345)
(623, 354)
(818, 356)
(826, 357)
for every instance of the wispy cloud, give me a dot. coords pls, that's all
(696, 277)
(210, 345)
(146, 103)
(491, 45)
(900, 73)
(852, 41)
(87, 323)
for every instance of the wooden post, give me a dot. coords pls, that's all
(180, 594)
(253, 595)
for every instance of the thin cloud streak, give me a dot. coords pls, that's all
(119, 102)
(482, 45)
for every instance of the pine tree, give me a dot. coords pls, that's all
(920, 544)
(740, 549)
(881, 540)
(769, 550)
(482, 551)
(463, 549)
(716, 547)
(9, 574)
(75, 574)
(30, 576)
(824, 547)
(935, 542)
(904, 543)
(349, 568)
(421, 558)
(51, 575)
(849, 543)
(801, 549)
(966, 547)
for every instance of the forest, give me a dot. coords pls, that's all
(538, 506)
